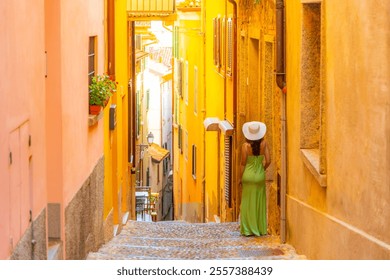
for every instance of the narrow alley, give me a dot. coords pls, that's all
(179, 240)
(145, 129)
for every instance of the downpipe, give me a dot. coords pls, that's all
(281, 82)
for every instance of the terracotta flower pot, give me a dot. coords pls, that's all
(95, 109)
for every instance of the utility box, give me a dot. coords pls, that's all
(112, 117)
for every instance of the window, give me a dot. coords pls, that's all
(312, 92)
(176, 42)
(147, 99)
(186, 145)
(138, 113)
(185, 85)
(217, 41)
(194, 162)
(195, 90)
(230, 39)
(91, 59)
(179, 141)
(178, 76)
(228, 169)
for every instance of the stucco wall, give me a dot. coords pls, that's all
(259, 98)
(22, 114)
(349, 218)
(87, 147)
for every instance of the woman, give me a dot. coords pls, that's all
(255, 159)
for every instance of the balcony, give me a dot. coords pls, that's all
(151, 9)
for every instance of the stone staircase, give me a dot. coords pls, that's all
(171, 240)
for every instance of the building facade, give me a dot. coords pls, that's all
(338, 187)
(58, 187)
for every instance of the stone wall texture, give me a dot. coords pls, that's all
(84, 217)
(26, 249)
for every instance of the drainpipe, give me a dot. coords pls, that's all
(203, 30)
(235, 79)
(281, 82)
(234, 70)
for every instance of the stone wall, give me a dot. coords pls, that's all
(26, 249)
(84, 217)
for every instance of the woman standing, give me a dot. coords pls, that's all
(255, 159)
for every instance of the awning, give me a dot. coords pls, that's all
(226, 128)
(157, 153)
(211, 124)
(140, 54)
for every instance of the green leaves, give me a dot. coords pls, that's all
(101, 89)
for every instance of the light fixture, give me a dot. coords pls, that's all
(150, 138)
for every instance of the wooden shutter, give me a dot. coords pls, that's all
(228, 170)
(230, 38)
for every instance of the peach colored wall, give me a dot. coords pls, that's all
(22, 91)
(53, 100)
(82, 146)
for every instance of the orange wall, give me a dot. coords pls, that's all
(79, 20)
(355, 202)
(22, 91)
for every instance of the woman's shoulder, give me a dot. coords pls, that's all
(246, 148)
(246, 144)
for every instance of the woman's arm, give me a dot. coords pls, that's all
(244, 155)
(267, 156)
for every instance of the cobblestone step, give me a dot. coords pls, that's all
(181, 240)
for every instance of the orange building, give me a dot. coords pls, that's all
(51, 150)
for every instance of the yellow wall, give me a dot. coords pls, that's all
(117, 178)
(347, 219)
(191, 52)
(202, 199)
(258, 96)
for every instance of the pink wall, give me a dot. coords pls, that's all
(53, 110)
(82, 146)
(22, 91)
(73, 147)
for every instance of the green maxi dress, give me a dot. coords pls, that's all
(253, 211)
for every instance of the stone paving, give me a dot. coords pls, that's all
(172, 240)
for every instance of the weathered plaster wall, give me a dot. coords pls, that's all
(259, 98)
(349, 218)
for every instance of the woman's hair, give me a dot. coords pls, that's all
(255, 145)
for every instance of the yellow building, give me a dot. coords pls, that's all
(259, 98)
(117, 180)
(204, 90)
(151, 88)
(338, 193)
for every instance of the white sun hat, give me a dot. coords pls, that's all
(254, 130)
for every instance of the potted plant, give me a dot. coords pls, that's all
(100, 91)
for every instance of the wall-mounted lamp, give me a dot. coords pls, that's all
(150, 138)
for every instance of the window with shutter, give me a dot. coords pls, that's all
(195, 90)
(194, 162)
(229, 54)
(228, 170)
